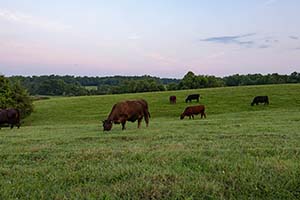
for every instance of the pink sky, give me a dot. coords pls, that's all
(164, 39)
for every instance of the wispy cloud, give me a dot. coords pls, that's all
(294, 37)
(264, 46)
(269, 40)
(245, 40)
(18, 17)
(235, 39)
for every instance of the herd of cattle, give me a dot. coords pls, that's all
(130, 110)
(133, 110)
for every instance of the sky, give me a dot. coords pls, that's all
(164, 38)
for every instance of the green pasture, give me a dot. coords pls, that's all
(91, 87)
(237, 152)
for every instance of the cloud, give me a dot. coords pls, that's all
(264, 46)
(270, 40)
(245, 41)
(236, 39)
(294, 37)
(18, 17)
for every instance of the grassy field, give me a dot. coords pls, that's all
(237, 152)
(91, 87)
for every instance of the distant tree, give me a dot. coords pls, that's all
(172, 86)
(233, 80)
(294, 78)
(5, 93)
(21, 100)
(13, 95)
(192, 81)
(213, 81)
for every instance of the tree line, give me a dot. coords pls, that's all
(78, 86)
(192, 81)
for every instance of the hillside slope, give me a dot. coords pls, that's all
(237, 152)
(93, 109)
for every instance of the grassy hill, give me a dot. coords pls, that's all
(238, 152)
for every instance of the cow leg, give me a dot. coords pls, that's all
(193, 116)
(146, 119)
(139, 122)
(123, 125)
(11, 126)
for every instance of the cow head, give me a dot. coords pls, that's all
(107, 125)
(182, 116)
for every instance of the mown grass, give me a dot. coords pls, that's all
(238, 152)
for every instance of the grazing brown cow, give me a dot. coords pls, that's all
(10, 116)
(190, 111)
(172, 99)
(131, 110)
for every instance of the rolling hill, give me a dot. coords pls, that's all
(237, 152)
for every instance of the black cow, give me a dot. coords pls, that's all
(260, 99)
(10, 116)
(190, 97)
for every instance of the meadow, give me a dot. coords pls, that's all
(237, 152)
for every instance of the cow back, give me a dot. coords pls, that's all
(194, 109)
(127, 109)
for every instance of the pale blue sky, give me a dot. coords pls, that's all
(164, 38)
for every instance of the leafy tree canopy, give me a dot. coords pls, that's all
(13, 95)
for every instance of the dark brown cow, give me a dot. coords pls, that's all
(10, 116)
(172, 99)
(190, 111)
(131, 110)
